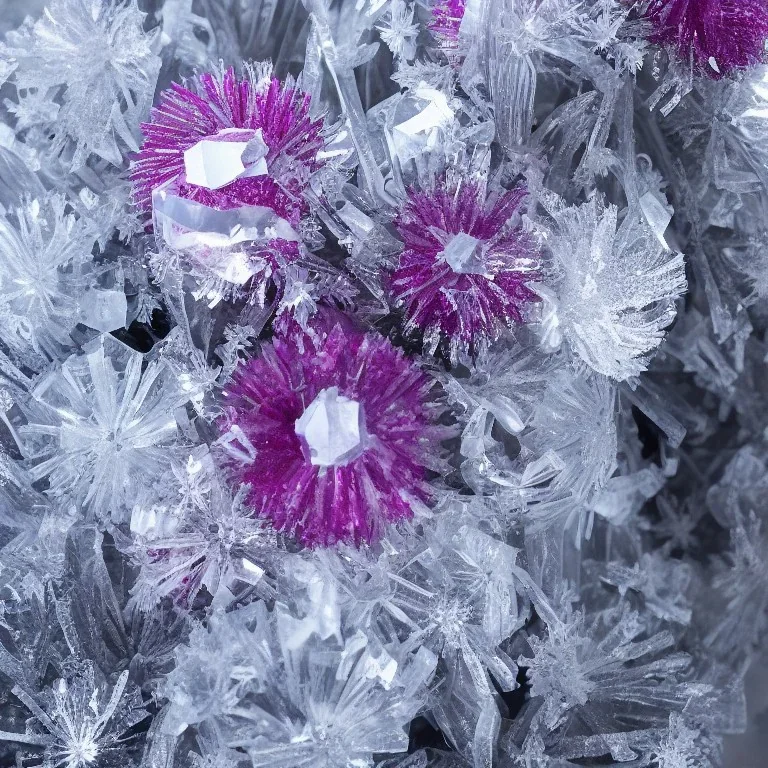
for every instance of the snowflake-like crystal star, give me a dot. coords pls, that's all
(463, 272)
(102, 65)
(717, 36)
(104, 427)
(343, 429)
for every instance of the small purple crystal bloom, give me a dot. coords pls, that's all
(462, 274)
(717, 36)
(446, 21)
(263, 120)
(343, 427)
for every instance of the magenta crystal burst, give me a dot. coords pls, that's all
(717, 36)
(224, 108)
(344, 431)
(462, 274)
(445, 23)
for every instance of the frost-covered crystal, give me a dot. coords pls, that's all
(382, 383)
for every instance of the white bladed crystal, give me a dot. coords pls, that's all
(214, 164)
(332, 428)
(463, 254)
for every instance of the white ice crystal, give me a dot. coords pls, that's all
(605, 670)
(97, 55)
(81, 721)
(616, 286)
(289, 704)
(573, 445)
(43, 246)
(106, 425)
(200, 538)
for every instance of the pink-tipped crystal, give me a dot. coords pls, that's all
(445, 23)
(246, 141)
(343, 427)
(717, 36)
(462, 274)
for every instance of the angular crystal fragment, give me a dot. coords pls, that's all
(185, 224)
(104, 310)
(214, 164)
(333, 429)
(463, 254)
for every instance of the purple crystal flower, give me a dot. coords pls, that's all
(271, 118)
(343, 428)
(718, 36)
(446, 21)
(462, 274)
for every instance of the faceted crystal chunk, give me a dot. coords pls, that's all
(214, 164)
(463, 254)
(104, 310)
(333, 429)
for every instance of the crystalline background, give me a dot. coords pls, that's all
(392, 393)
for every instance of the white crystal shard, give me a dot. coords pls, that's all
(230, 154)
(463, 254)
(421, 120)
(214, 164)
(332, 428)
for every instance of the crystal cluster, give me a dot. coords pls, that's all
(382, 383)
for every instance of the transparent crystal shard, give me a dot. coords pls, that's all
(464, 255)
(333, 429)
(215, 162)
(420, 121)
(185, 224)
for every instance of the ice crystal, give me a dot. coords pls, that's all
(611, 669)
(573, 444)
(214, 542)
(43, 246)
(717, 36)
(288, 703)
(105, 426)
(684, 745)
(300, 475)
(399, 32)
(102, 64)
(616, 287)
(466, 261)
(79, 721)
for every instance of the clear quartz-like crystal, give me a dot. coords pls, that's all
(332, 427)
(463, 254)
(215, 162)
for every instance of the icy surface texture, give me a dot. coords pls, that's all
(106, 426)
(636, 278)
(382, 382)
